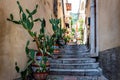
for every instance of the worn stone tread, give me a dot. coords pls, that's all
(63, 77)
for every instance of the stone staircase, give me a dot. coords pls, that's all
(75, 63)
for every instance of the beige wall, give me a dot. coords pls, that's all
(60, 13)
(108, 23)
(13, 37)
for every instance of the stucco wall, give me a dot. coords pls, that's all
(108, 24)
(13, 37)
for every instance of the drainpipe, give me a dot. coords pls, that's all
(63, 11)
(92, 27)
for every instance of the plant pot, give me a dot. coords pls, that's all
(35, 67)
(56, 49)
(40, 75)
(56, 46)
(39, 56)
(47, 66)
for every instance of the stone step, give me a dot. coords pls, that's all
(77, 47)
(74, 66)
(72, 60)
(75, 51)
(72, 55)
(76, 72)
(63, 77)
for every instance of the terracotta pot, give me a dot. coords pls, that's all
(56, 51)
(47, 66)
(35, 67)
(56, 48)
(40, 75)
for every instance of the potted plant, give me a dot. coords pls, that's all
(37, 65)
(58, 34)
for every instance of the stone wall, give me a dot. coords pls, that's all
(110, 63)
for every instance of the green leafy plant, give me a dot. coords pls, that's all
(58, 30)
(43, 42)
(55, 26)
(27, 70)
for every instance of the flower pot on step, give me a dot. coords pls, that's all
(40, 75)
(56, 49)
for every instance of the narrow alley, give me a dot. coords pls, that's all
(59, 40)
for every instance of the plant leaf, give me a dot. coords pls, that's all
(16, 22)
(27, 11)
(26, 48)
(31, 33)
(38, 19)
(36, 6)
(34, 11)
(24, 25)
(29, 62)
(11, 16)
(9, 19)
(32, 54)
(29, 25)
(17, 68)
(20, 8)
(43, 23)
(24, 74)
(23, 17)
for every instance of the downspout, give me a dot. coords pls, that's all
(63, 12)
(95, 24)
(92, 27)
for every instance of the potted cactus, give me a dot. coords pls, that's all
(38, 64)
(58, 34)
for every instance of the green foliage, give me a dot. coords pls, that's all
(81, 21)
(17, 68)
(73, 32)
(55, 24)
(43, 42)
(58, 31)
(26, 18)
(67, 38)
(27, 70)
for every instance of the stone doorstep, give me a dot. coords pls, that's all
(67, 56)
(72, 56)
(75, 51)
(73, 60)
(75, 66)
(63, 77)
(85, 54)
(76, 72)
